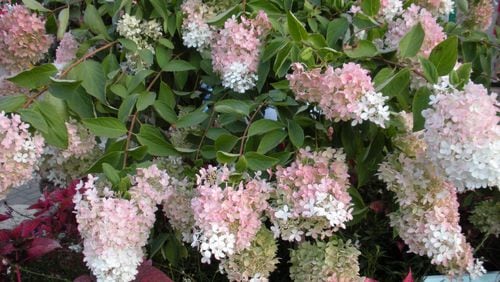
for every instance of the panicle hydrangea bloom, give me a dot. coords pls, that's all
(486, 217)
(256, 262)
(390, 9)
(115, 230)
(19, 152)
(412, 16)
(427, 219)
(8, 88)
(196, 33)
(66, 51)
(481, 14)
(462, 132)
(235, 51)
(335, 261)
(311, 198)
(345, 93)
(227, 215)
(62, 166)
(143, 34)
(23, 39)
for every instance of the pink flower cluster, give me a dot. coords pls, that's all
(481, 14)
(412, 16)
(345, 93)
(8, 88)
(462, 133)
(235, 51)
(311, 198)
(196, 33)
(66, 51)
(427, 219)
(437, 7)
(19, 152)
(23, 40)
(80, 140)
(227, 215)
(115, 230)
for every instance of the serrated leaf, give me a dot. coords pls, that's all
(295, 133)
(271, 140)
(232, 106)
(178, 65)
(106, 126)
(193, 118)
(262, 126)
(63, 19)
(444, 55)
(420, 103)
(35, 77)
(412, 41)
(152, 137)
(364, 48)
(295, 27)
(11, 103)
(258, 161)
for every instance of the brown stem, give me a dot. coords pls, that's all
(132, 123)
(67, 70)
(244, 137)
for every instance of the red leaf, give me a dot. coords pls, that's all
(5, 217)
(148, 273)
(7, 249)
(370, 280)
(409, 277)
(42, 246)
(377, 206)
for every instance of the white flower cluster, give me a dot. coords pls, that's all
(462, 133)
(391, 9)
(220, 243)
(115, 264)
(196, 35)
(239, 78)
(372, 107)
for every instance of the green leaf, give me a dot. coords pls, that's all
(94, 21)
(271, 140)
(295, 133)
(157, 244)
(412, 41)
(11, 103)
(430, 71)
(317, 41)
(225, 158)
(232, 106)
(295, 28)
(145, 100)
(262, 126)
(93, 79)
(397, 86)
(165, 111)
(178, 65)
(241, 164)
(281, 58)
(160, 7)
(106, 126)
(272, 49)
(35, 5)
(128, 44)
(63, 19)
(266, 6)
(370, 7)
(193, 118)
(127, 107)
(420, 103)
(222, 17)
(111, 173)
(258, 161)
(365, 48)
(152, 137)
(335, 30)
(35, 118)
(464, 72)
(114, 158)
(54, 113)
(35, 77)
(226, 142)
(444, 55)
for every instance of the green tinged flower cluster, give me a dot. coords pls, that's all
(486, 217)
(257, 261)
(335, 260)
